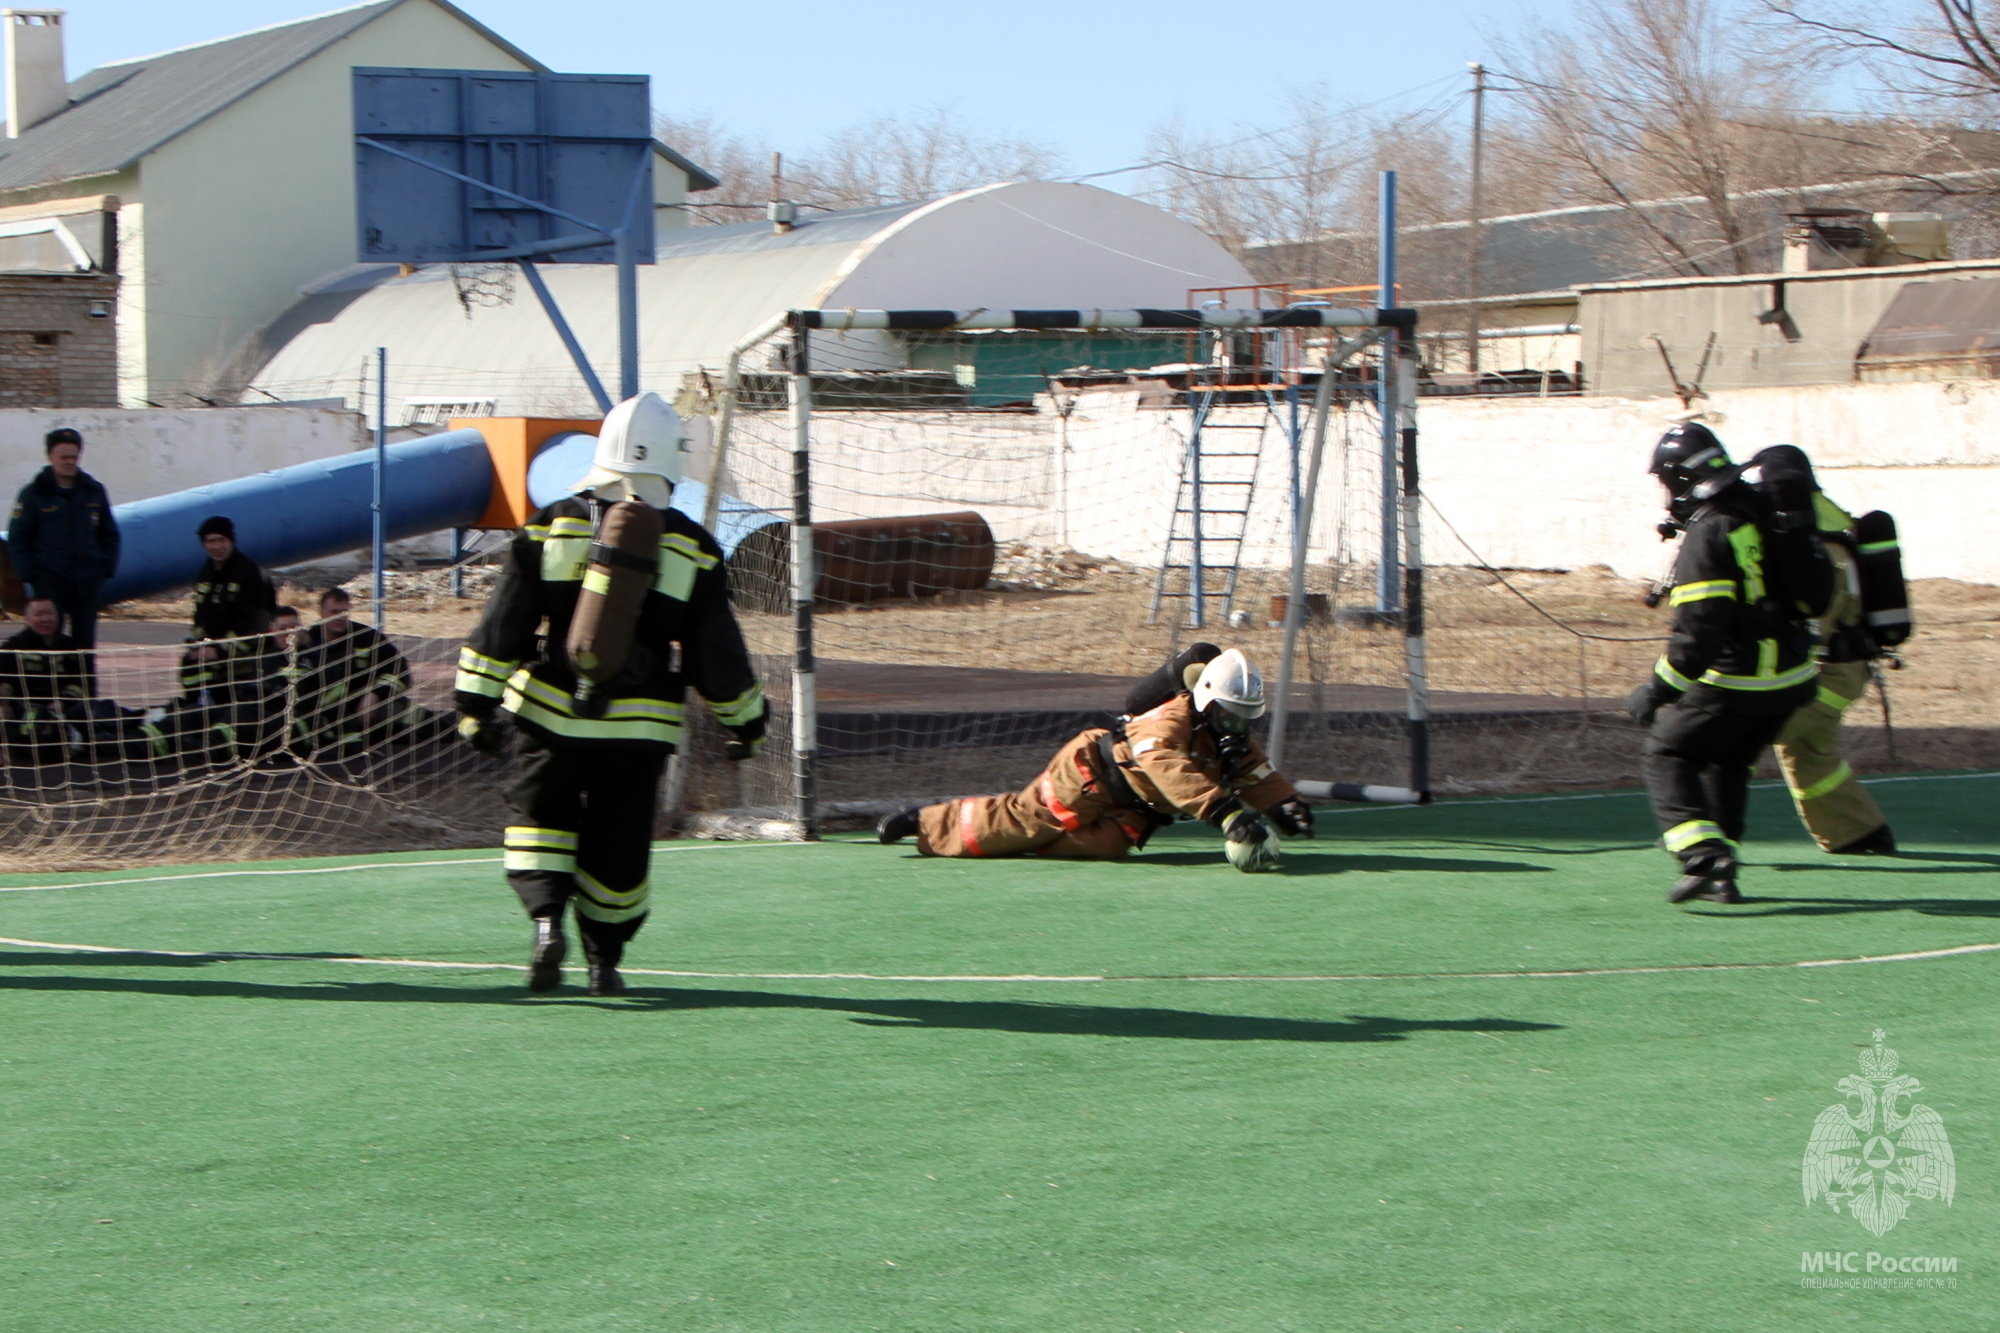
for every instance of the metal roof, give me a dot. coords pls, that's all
(844, 227)
(1024, 244)
(121, 112)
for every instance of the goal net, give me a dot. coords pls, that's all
(236, 750)
(1012, 523)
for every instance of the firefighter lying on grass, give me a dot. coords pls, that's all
(1184, 752)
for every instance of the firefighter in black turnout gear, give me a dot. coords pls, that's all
(618, 580)
(1749, 576)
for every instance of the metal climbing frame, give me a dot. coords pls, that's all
(1211, 516)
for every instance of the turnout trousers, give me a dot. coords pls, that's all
(585, 834)
(1063, 812)
(1699, 757)
(1835, 808)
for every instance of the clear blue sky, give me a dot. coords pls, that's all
(1089, 77)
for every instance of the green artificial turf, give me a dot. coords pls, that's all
(209, 1143)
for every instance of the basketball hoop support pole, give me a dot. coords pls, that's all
(596, 386)
(380, 545)
(625, 246)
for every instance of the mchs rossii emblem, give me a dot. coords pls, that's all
(1871, 1156)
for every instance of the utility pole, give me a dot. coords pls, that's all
(1473, 315)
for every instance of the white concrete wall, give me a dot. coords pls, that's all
(1555, 483)
(1927, 453)
(140, 454)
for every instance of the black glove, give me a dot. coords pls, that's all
(481, 732)
(744, 742)
(1293, 817)
(1646, 700)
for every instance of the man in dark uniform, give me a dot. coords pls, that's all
(43, 687)
(233, 596)
(62, 537)
(353, 683)
(591, 754)
(1739, 662)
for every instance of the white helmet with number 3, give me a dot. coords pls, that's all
(1230, 682)
(641, 439)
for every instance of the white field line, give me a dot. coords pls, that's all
(232, 956)
(696, 846)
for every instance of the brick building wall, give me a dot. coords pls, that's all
(53, 351)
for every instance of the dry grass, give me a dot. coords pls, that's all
(1492, 634)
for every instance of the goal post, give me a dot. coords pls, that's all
(1050, 438)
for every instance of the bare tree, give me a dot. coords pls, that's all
(898, 159)
(1946, 49)
(1297, 201)
(891, 159)
(1644, 100)
(743, 171)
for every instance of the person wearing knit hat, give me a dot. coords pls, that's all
(233, 596)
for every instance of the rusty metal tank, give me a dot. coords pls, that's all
(867, 559)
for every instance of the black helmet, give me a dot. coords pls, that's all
(1692, 464)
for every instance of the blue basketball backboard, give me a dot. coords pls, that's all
(574, 143)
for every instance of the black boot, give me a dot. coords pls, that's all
(896, 827)
(1879, 842)
(602, 952)
(545, 960)
(1709, 876)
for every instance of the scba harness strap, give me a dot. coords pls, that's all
(1112, 775)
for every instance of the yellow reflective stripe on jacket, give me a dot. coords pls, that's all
(564, 525)
(1873, 548)
(476, 682)
(597, 581)
(744, 709)
(681, 558)
(1783, 680)
(1826, 784)
(1683, 836)
(1834, 699)
(565, 558)
(1665, 671)
(1703, 591)
(600, 903)
(1748, 543)
(682, 544)
(547, 707)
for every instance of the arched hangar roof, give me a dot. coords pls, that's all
(1020, 245)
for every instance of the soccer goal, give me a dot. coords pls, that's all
(956, 537)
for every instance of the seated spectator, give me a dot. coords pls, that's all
(233, 596)
(235, 693)
(44, 686)
(353, 683)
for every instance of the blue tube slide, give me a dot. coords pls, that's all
(307, 511)
(558, 471)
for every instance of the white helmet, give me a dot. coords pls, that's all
(1232, 682)
(640, 437)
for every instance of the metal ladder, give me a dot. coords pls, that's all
(1204, 551)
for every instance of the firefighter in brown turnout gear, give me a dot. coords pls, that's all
(1189, 756)
(618, 580)
(1750, 572)
(1868, 619)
